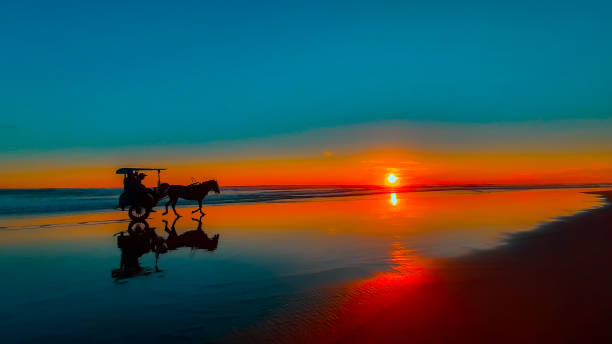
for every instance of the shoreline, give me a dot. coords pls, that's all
(32, 202)
(549, 284)
(106, 215)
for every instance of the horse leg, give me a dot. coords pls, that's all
(200, 206)
(174, 207)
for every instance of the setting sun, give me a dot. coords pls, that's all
(392, 179)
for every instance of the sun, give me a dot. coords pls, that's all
(392, 179)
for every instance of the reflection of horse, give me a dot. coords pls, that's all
(195, 238)
(140, 239)
(193, 192)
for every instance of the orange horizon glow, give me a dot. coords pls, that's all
(366, 168)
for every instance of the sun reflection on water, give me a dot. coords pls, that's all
(393, 199)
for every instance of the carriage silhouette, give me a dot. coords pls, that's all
(139, 199)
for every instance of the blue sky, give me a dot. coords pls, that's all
(113, 75)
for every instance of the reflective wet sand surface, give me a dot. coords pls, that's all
(273, 260)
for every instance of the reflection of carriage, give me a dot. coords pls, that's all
(136, 196)
(140, 239)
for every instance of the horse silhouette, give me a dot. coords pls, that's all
(193, 192)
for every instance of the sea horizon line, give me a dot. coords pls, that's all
(366, 186)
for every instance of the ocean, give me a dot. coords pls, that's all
(67, 200)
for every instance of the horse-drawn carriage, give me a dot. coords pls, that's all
(141, 199)
(138, 197)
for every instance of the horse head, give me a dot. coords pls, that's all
(215, 186)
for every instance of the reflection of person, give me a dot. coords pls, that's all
(138, 240)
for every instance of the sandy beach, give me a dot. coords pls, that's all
(409, 267)
(548, 285)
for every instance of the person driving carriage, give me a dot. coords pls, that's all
(133, 181)
(139, 179)
(136, 195)
(129, 179)
(132, 184)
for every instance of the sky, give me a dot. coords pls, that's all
(306, 92)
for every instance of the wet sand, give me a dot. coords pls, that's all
(549, 285)
(371, 268)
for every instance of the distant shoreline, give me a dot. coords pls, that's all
(15, 202)
(416, 187)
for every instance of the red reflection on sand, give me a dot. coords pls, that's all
(547, 286)
(367, 302)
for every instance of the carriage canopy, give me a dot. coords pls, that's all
(127, 170)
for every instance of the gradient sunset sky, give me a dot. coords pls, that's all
(292, 92)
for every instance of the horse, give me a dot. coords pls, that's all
(193, 192)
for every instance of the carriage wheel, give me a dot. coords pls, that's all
(138, 226)
(138, 212)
